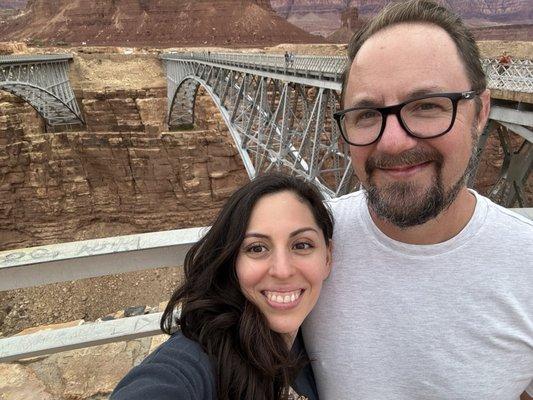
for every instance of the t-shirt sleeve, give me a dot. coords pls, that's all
(171, 374)
(529, 389)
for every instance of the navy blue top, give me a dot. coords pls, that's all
(180, 370)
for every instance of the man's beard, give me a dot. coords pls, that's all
(400, 203)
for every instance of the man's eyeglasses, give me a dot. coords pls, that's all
(424, 118)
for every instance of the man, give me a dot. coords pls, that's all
(430, 295)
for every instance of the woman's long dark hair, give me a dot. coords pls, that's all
(251, 361)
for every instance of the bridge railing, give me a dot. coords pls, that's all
(32, 59)
(515, 76)
(330, 67)
(23, 268)
(91, 258)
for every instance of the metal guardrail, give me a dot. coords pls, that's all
(324, 67)
(32, 59)
(517, 76)
(118, 254)
(85, 335)
(97, 257)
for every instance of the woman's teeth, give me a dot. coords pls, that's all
(283, 297)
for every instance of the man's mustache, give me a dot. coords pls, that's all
(405, 159)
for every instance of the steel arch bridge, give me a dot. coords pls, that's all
(43, 82)
(279, 114)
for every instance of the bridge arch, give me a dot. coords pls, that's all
(42, 81)
(181, 113)
(275, 124)
(48, 105)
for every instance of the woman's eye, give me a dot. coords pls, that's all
(256, 248)
(303, 246)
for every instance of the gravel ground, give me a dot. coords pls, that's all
(87, 299)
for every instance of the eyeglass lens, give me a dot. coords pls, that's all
(424, 118)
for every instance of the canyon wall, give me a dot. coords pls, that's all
(515, 33)
(323, 16)
(125, 174)
(161, 23)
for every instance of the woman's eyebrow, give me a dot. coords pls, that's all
(298, 231)
(294, 233)
(255, 234)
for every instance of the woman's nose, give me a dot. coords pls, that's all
(281, 265)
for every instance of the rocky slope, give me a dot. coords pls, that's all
(138, 22)
(351, 22)
(323, 16)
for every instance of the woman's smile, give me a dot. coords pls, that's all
(283, 300)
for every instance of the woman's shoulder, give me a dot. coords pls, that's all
(178, 348)
(178, 369)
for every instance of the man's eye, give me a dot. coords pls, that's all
(368, 114)
(428, 106)
(434, 106)
(364, 118)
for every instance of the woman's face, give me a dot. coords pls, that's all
(283, 260)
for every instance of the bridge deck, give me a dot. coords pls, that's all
(33, 59)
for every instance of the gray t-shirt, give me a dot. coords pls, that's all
(449, 321)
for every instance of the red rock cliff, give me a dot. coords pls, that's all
(325, 14)
(155, 23)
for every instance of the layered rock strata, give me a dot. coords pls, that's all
(124, 175)
(351, 22)
(155, 23)
(520, 32)
(323, 16)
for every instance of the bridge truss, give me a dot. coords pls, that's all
(43, 82)
(280, 117)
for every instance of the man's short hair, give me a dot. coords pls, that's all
(424, 12)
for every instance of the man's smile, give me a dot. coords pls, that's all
(405, 171)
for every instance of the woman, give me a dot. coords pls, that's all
(249, 284)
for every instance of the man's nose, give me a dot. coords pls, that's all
(281, 266)
(394, 139)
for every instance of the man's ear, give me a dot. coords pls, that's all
(483, 115)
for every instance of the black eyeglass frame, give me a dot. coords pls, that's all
(396, 110)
